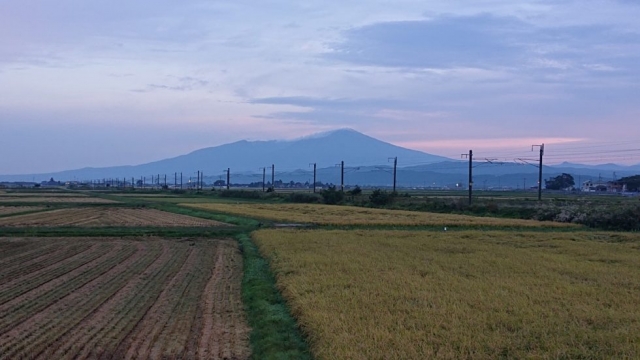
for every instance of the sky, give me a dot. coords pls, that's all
(87, 83)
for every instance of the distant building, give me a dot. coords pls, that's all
(603, 186)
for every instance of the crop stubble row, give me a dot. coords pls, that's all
(128, 299)
(7, 210)
(55, 199)
(99, 217)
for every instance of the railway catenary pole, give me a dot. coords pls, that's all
(395, 166)
(314, 177)
(273, 176)
(342, 175)
(539, 170)
(470, 156)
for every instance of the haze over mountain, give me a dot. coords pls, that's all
(366, 163)
(325, 149)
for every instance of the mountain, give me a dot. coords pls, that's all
(326, 149)
(601, 167)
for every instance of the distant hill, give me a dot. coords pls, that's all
(326, 149)
(366, 163)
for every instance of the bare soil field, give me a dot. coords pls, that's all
(121, 298)
(99, 217)
(41, 194)
(6, 210)
(55, 199)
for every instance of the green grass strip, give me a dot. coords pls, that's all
(209, 215)
(275, 333)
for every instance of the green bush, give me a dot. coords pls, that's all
(304, 198)
(331, 196)
(381, 197)
(240, 194)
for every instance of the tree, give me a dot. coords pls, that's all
(632, 182)
(331, 196)
(381, 198)
(559, 182)
(356, 191)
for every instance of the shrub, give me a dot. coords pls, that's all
(304, 198)
(241, 194)
(331, 196)
(381, 198)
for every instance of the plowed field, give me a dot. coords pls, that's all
(41, 194)
(97, 217)
(6, 210)
(104, 298)
(55, 199)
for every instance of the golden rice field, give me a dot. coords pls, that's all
(352, 215)
(371, 294)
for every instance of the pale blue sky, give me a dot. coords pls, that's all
(97, 83)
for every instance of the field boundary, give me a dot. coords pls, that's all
(275, 333)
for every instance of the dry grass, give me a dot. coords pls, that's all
(478, 295)
(351, 215)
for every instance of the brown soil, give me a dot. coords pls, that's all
(6, 210)
(55, 199)
(150, 298)
(224, 334)
(99, 217)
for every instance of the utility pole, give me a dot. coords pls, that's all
(180, 181)
(165, 180)
(273, 176)
(228, 171)
(264, 175)
(314, 177)
(202, 180)
(539, 170)
(175, 180)
(470, 156)
(395, 166)
(198, 182)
